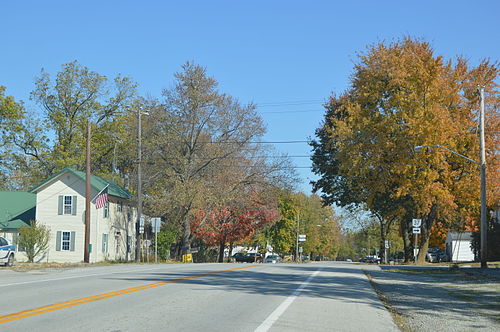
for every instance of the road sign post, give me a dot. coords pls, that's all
(416, 223)
(385, 251)
(156, 225)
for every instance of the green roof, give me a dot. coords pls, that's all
(96, 182)
(12, 224)
(17, 208)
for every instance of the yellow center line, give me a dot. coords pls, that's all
(72, 303)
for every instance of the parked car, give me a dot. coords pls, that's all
(273, 259)
(374, 259)
(255, 257)
(6, 252)
(370, 259)
(435, 255)
(238, 257)
(249, 257)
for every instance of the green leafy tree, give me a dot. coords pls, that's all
(11, 114)
(77, 96)
(167, 236)
(282, 233)
(11, 117)
(34, 240)
(320, 225)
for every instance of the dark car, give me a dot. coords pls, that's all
(370, 259)
(250, 257)
(435, 255)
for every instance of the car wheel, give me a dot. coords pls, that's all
(10, 261)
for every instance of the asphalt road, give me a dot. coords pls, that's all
(192, 297)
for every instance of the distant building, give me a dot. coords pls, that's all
(59, 203)
(496, 215)
(458, 246)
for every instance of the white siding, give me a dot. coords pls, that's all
(116, 228)
(461, 251)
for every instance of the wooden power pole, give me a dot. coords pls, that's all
(86, 255)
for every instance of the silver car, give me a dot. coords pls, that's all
(273, 259)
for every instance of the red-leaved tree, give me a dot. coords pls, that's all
(230, 225)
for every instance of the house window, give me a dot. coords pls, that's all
(105, 243)
(106, 210)
(66, 241)
(119, 207)
(68, 203)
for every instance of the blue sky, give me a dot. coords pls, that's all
(286, 56)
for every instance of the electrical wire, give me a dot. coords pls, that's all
(289, 103)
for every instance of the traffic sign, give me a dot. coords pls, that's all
(387, 244)
(417, 222)
(156, 224)
(416, 230)
(302, 237)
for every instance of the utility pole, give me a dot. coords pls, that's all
(484, 221)
(86, 253)
(297, 241)
(138, 245)
(156, 245)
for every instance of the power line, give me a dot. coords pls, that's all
(302, 111)
(257, 142)
(289, 103)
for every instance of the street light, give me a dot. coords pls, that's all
(420, 147)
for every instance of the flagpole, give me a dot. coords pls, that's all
(99, 193)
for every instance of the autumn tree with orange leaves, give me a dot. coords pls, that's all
(402, 95)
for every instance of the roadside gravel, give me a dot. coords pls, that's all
(439, 299)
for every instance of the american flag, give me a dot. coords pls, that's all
(101, 198)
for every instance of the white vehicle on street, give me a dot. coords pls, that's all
(6, 252)
(273, 259)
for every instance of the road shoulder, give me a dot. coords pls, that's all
(438, 299)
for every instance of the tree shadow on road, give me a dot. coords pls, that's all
(342, 283)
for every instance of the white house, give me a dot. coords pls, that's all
(458, 246)
(60, 204)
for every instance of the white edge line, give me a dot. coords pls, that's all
(275, 315)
